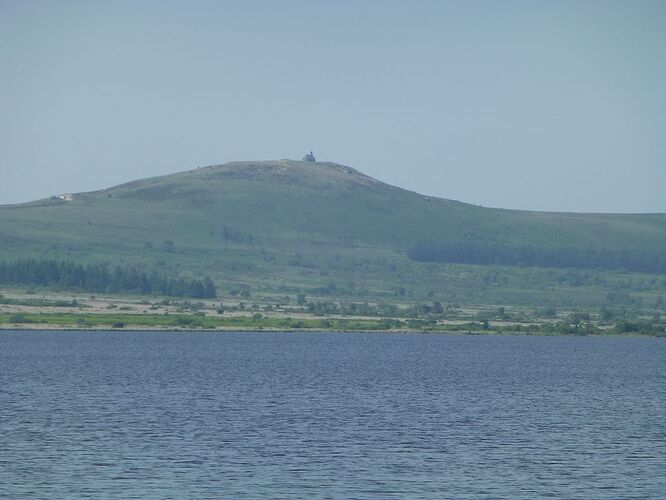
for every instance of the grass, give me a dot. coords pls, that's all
(182, 321)
(288, 228)
(260, 322)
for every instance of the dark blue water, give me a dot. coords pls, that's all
(209, 415)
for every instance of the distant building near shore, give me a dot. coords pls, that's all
(309, 157)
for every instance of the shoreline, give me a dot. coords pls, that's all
(60, 328)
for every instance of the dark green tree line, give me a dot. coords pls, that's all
(101, 278)
(649, 261)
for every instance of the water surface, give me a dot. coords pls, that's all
(209, 415)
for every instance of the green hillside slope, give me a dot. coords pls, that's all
(286, 201)
(289, 223)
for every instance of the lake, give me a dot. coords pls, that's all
(330, 415)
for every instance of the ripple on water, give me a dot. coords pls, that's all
(193, 415)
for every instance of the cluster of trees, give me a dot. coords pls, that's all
(232, 235)
(565, 257)
(100, 278)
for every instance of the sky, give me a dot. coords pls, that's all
(553, 105)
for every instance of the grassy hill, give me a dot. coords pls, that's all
(289, 225)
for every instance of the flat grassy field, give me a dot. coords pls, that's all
(53, 310)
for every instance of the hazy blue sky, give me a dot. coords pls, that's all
(536, 105)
